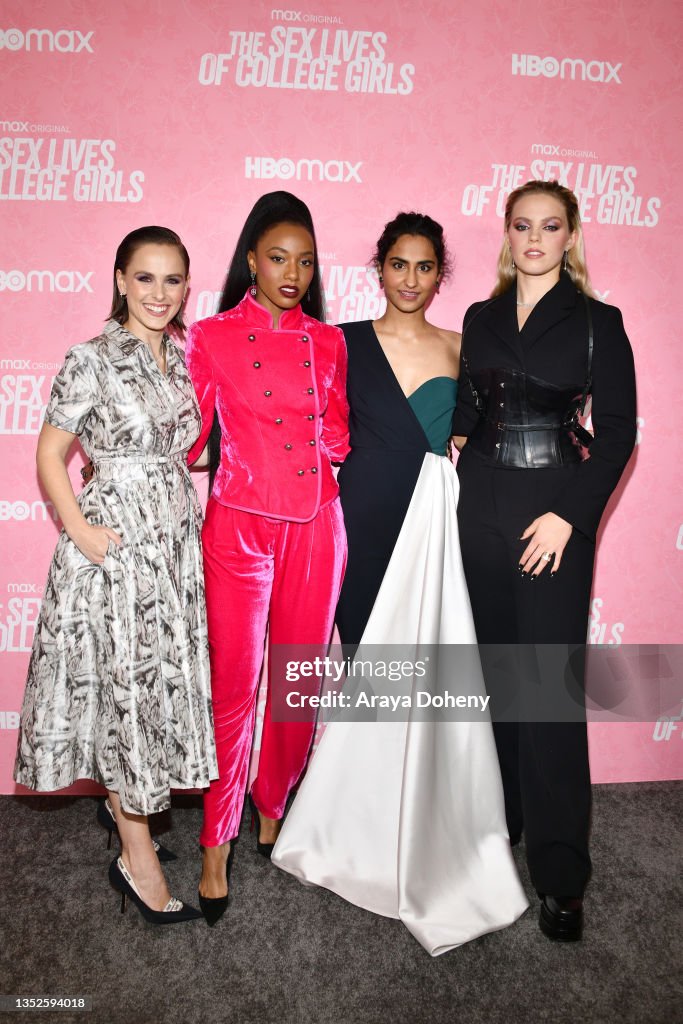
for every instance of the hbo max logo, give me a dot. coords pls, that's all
(302, 170)
(45, 281)
(565, 67)
(20, 511)
(63, 41)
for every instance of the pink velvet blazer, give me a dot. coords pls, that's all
(281, 402)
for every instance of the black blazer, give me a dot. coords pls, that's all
(553, 346)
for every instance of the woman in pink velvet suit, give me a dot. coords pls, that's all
(272, 378)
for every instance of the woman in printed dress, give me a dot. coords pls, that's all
(118, 684)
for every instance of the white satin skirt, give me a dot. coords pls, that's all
(406, 818)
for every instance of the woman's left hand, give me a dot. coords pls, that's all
(547, 535)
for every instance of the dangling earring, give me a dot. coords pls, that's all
(565, 259)
(253, 289)
(438, 287)
(512, 259)
(381, 280)
(122, 295)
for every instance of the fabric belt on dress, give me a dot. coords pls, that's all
(119, 467)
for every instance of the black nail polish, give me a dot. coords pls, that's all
(520, 568)
(553, 575)
(523, 574)
(532, 578)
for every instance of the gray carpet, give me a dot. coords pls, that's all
(290, 954)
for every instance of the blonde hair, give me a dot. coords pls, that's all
(576, 262)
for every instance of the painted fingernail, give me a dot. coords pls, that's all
(553, 575)
(520, 568)
(532, 578)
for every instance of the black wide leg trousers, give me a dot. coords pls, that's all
(544, 764)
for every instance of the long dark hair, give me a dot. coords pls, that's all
(271, 209)
(152, 234)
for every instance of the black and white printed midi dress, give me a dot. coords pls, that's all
(118, 686)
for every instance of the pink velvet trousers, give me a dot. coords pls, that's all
(263, 572)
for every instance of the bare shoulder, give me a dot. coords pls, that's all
(452, 340)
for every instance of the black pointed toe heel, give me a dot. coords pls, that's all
(174, 912)
(214, 908)
(105, 818)
(265, 849)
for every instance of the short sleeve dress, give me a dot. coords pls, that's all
(118, 686)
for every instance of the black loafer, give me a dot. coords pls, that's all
(561, 919)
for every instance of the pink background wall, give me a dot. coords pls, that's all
(113, 116)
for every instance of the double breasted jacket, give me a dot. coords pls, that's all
(281, 401)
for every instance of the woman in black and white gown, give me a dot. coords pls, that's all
(406, 818)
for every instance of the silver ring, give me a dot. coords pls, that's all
(547, 556)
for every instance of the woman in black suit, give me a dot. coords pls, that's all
(530, 505)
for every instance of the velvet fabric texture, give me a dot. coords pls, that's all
(274, 541)
(262, 571)
(281, 401)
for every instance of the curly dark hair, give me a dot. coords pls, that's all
(414, 224)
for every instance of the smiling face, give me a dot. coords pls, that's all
(539, 235)
(410, 273)
(154, 283)
(284, 263)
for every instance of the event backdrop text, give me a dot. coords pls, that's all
(182, 114)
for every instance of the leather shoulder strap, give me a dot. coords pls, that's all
(589, 371)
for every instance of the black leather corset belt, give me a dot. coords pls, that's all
(524, 422)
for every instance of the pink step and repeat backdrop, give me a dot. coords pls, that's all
(118, 115)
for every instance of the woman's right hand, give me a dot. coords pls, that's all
(53, 447)
(94, 541)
